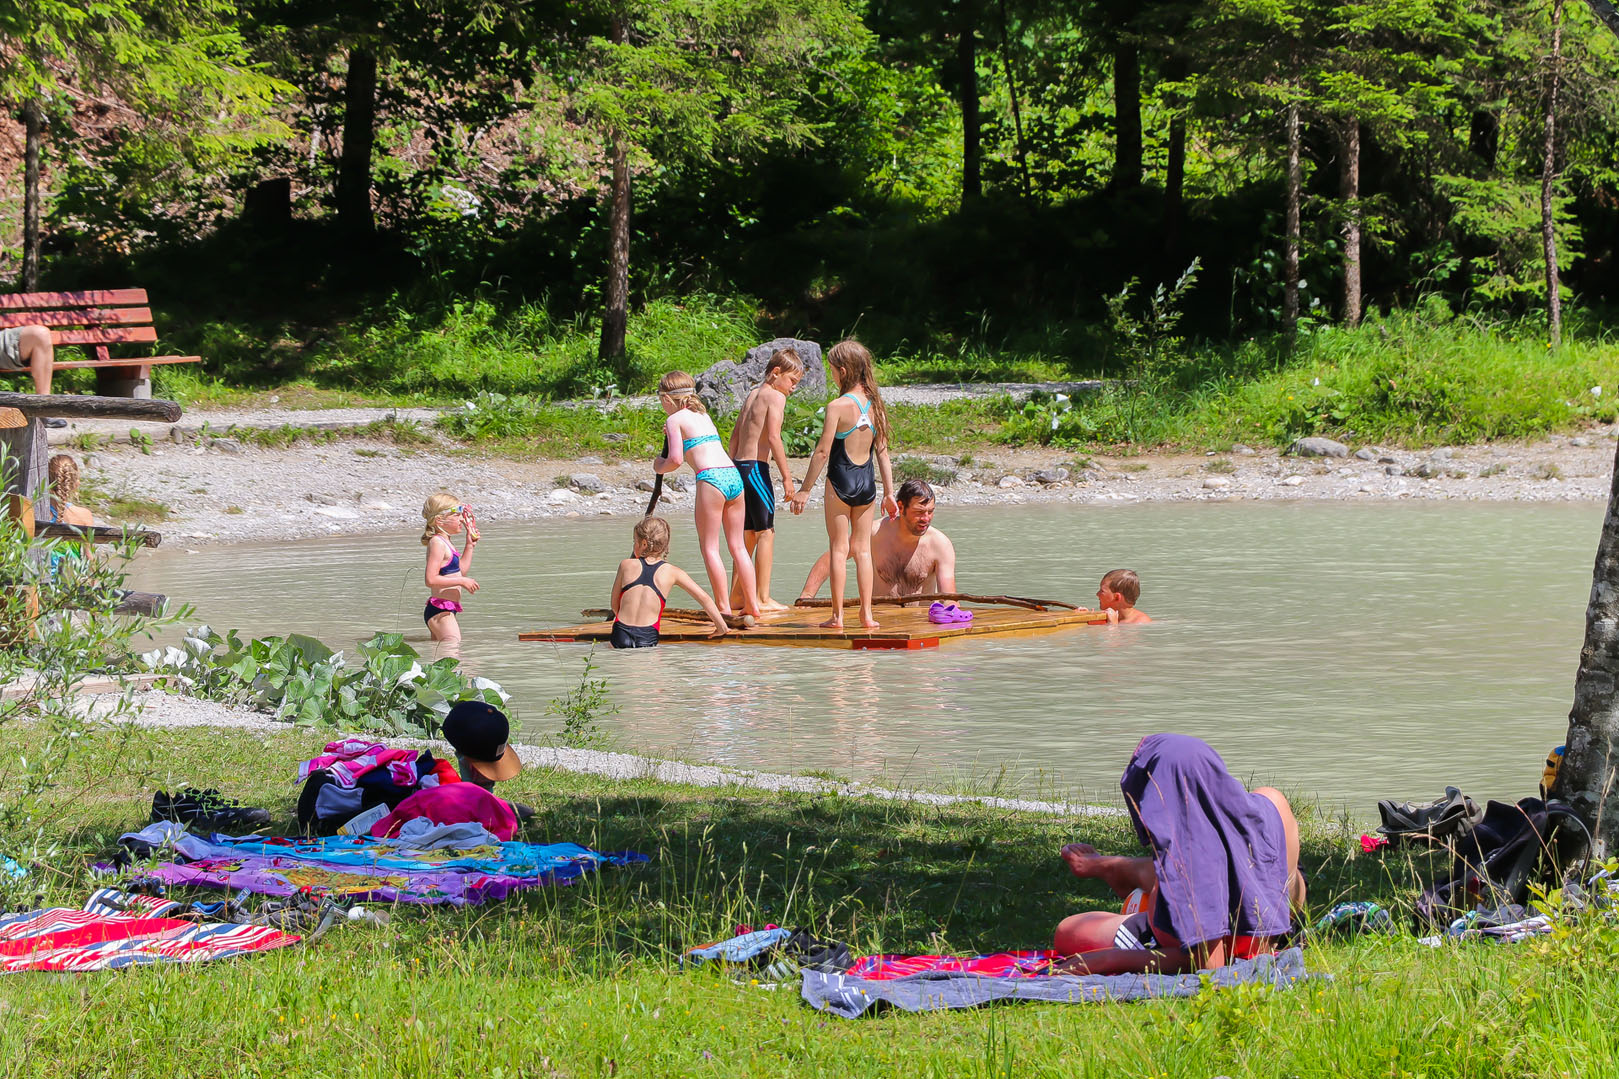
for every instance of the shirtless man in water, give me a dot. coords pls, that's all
(909, 555)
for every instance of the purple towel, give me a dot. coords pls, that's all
(1219, 851)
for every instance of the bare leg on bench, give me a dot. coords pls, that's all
(35, 348)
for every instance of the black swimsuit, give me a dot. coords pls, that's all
(625, 636)
(855, 484)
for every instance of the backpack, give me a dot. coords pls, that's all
(1500, 860)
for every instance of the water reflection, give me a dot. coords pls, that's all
(1349, 651)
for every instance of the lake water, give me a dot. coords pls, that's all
(1351, 652)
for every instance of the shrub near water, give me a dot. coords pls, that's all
(302, 681)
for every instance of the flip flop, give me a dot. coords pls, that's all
(945, 614)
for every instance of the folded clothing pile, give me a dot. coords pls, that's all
(354, 776)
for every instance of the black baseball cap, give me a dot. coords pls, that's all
(479, 733)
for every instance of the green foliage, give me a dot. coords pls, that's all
(1501, 217)
(582, 710)
(916, 468)
(58, 629)
(302, 681)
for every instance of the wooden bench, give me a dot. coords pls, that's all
(96, 318)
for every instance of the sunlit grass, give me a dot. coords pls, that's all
(584, 980)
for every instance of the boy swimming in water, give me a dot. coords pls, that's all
(755, 441)
(1117, 595)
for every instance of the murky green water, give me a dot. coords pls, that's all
(1352, 652)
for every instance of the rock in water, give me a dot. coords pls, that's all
(1318, 447)
(726, 385)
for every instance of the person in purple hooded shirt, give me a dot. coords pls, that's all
(1222, 880)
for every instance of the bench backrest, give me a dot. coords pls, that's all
(100, 317)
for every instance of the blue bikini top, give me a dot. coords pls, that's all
(687, 443)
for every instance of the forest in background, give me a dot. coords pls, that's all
(971, 184)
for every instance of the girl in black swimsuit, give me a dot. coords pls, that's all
(638, 582)
(854, 450)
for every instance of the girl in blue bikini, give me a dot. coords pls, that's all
(692, 438)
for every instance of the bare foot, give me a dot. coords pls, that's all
(1079, 857)
(868, 622)
(832, 623)
(771, 605)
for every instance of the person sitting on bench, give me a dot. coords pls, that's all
(29, 348)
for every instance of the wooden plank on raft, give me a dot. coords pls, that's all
(901, 629)
(24, 301)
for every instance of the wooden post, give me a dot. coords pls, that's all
(26, 453)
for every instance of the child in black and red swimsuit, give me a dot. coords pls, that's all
(446, 568)
(642, 588)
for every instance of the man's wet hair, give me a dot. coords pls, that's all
(913, 489)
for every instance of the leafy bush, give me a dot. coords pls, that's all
(582, 709)
(302, 681)
(58, 629)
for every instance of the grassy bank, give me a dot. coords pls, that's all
(1404, 380)
(582, 981)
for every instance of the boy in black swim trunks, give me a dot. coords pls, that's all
(755, 440)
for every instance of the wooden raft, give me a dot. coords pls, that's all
(903, 628)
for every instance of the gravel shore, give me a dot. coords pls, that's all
(158, 709)
(224, 491)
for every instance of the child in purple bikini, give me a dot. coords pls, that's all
(446, 568)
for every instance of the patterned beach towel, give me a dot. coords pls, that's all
(119, 930)
(848, 996)
(999, 965)
(364, 867)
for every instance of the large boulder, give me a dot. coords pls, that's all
(726, 385)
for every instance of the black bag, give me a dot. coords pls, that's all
(1501, 858)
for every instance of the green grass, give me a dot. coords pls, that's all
(582, 980)
(1403, 380)
(121, 507)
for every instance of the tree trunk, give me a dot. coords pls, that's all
(1174, 168)
(1484, 137)
(1126, 115)
(33, 132)
(1017, 113)
(1548, 184)
(1290, 256)
(1606, 13)
(616, 313)
(972, 185)
(616, 316)
(359, 137)
(1350, 193)
(1589, 776)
